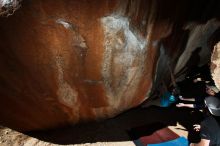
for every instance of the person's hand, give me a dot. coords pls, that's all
(197, 80)
(181, 97)
(197, 127)
(180, 105)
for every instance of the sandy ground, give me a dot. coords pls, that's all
(10, 137)
(118, 131)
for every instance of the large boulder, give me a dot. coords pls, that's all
(69, 61)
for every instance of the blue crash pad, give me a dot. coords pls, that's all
(181, 141)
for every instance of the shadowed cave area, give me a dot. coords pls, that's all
(77, 72)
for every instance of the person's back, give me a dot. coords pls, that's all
(210, 129)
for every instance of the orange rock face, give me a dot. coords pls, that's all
(69, 61)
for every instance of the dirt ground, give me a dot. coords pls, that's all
(118, 131)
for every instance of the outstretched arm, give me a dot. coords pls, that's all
(185, 105)
(186, 99)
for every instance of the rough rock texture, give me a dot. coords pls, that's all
(215, 63)
(215, 66)
(8, 7)
(70, 61)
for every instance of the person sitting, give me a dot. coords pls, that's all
(199, 101)
(165, 100)
(210, 127)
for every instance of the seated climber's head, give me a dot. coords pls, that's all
(211, 90)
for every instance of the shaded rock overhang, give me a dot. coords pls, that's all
(64, 62)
